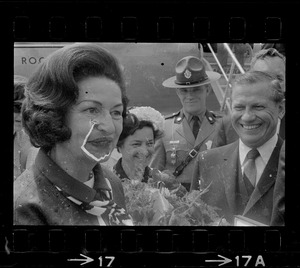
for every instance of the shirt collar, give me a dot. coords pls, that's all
(189, 116)
(265, 150)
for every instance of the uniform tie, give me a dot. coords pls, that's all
(196, 126)
(250, 167)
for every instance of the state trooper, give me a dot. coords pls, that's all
(191, 129)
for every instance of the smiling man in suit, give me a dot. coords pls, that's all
(266, 60)
(240, 176)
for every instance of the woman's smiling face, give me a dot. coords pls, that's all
(138, 147)
(98, 110)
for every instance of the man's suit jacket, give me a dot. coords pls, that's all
(177, 129)
(219, 168)
(278, 212)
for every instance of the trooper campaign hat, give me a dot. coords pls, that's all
(190, 72)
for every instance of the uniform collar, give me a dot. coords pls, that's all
(189, 116)
(179, 116)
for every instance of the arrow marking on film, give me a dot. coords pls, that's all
(86, 260)
(224, 261)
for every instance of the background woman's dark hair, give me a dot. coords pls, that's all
(19, 87)
(52, 90)
(131, 124)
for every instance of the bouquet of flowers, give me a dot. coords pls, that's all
(163, 200)
(154, 204)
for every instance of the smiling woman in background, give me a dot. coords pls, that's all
(143, 127)
(73, 111)
(136, 144)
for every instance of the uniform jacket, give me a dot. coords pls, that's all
(220, 168)
(37, 201)
(177, 130)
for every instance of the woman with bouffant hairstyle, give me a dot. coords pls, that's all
(73, 111)
(136, 144)
(54, 88)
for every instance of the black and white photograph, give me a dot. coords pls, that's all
(149, 134)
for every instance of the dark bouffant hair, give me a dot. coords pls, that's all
(52, 90)
(131, 124)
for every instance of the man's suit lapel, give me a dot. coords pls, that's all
(267, 179)
(230, 174)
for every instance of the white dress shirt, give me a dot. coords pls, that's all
(261, 161)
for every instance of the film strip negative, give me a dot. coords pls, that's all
(37, 29)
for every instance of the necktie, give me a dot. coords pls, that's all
(250, 167)
(196, 126)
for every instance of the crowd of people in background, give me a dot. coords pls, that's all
(71, 118)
